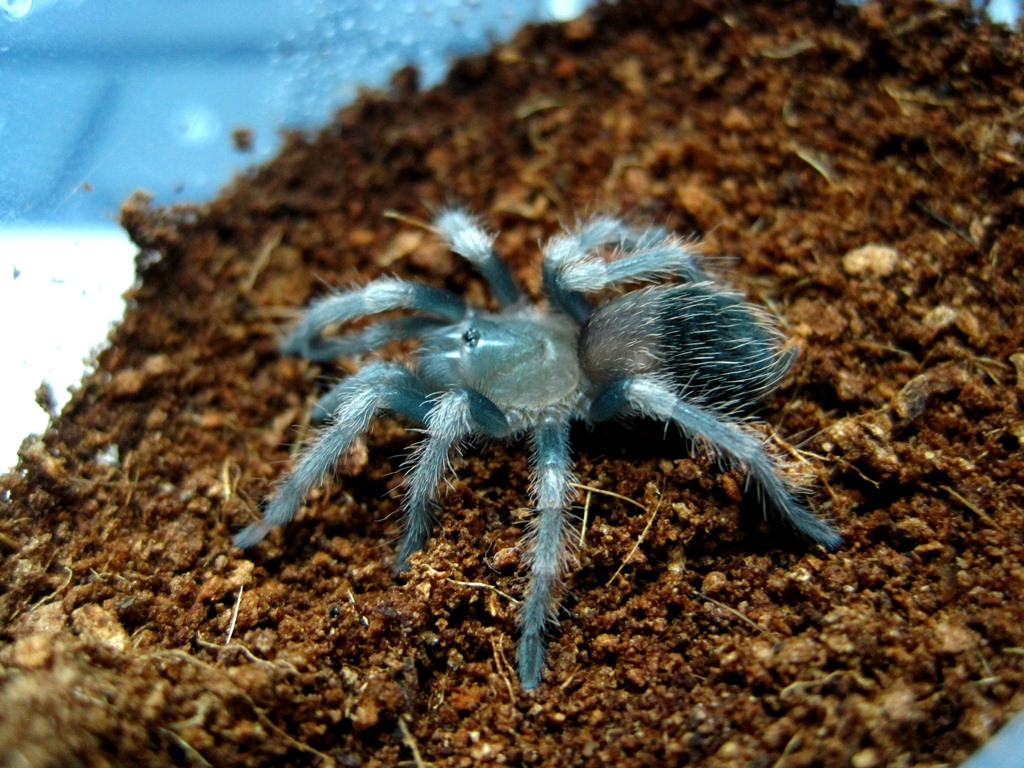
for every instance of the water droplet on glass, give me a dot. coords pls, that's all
(15, 10)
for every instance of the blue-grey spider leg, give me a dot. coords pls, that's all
(650, 397)
(671, 258)
(376, 388)
(453, 417)
(373, 336)
(578, 245)
(548, 543)
(573, 264)
(572, 303)
(558, 254)
(464, 235)
(381, 295)
(603, 231)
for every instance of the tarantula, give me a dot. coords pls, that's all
(689, 353)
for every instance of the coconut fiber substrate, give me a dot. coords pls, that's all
(860, 171)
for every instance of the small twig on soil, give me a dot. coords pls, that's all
(990, 677)
(801, 685)
(789, 50)
(640, 538)
(270, 242)
(225, 479)
(410, 742)
(613, 494)
(958, 231)
(973, 507)
(262, 716)
(352, 601)
(733, 611)
(569, 679)
(187, 748)
(533, 106)
(503, 668)
(586, 508)
(988, 366)
(279, 663)
(791, 746)
(410, 220)
(801, 457)
(234, 616)
(813, 160)
(865, 478)
(586, 517)
(901, 96)
(131, 481)
(481, 585)
(8, 545)
(59, 589)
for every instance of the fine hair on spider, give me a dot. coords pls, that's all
(632, 325)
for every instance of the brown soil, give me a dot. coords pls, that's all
(865, 169)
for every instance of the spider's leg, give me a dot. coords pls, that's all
(603, 231)
(576, 246)
(452, 417)
(574, 264)
(440, 307)
(669, 258)
(650, 397)
(548, 543)
(378, 387)
(465, 236)
(559, 255)
(371, 337)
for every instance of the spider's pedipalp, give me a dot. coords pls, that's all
(378, 387)
(466, 237)
(383, 295)
(548, 543)
(651, 397)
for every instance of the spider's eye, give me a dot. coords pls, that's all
(471, 337)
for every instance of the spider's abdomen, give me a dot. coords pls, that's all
(711, 345)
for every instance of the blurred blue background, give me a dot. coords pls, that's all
(102, 97)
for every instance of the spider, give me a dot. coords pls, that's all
(682, 350)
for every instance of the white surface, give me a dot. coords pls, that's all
(60, 292)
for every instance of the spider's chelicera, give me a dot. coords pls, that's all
(682, 350)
